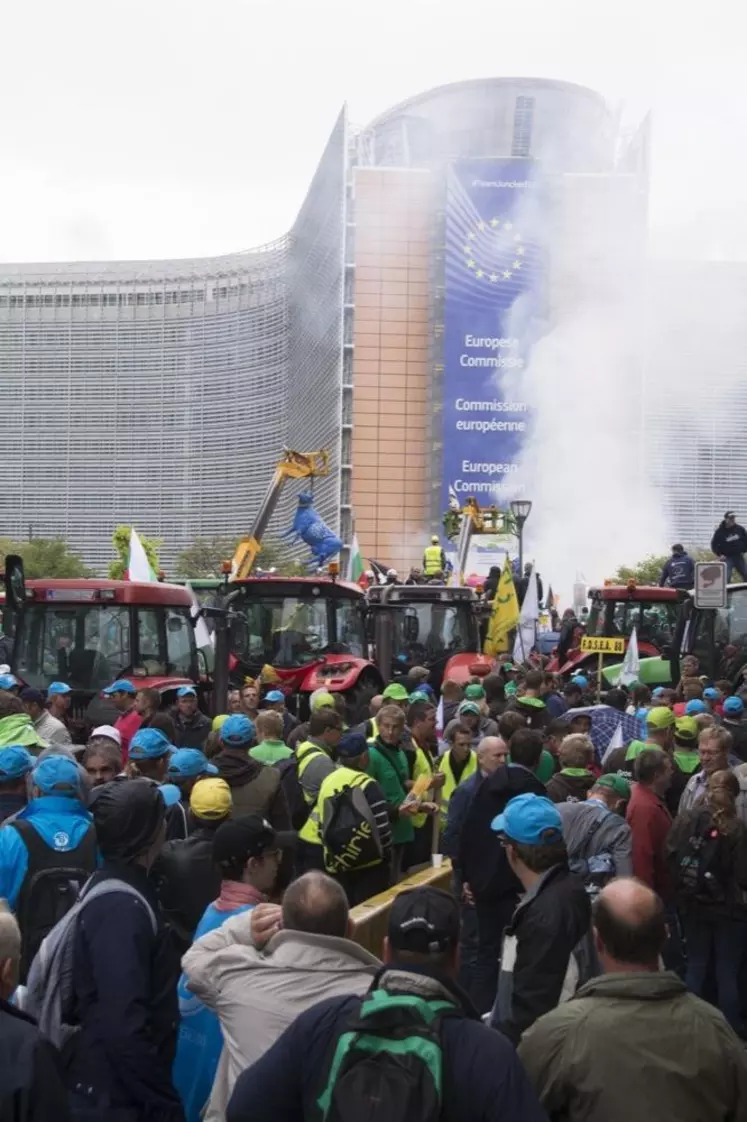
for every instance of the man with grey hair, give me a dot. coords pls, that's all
(31, 1087)
(262, 968)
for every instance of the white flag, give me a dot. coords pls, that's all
(138, 567)
(203, 638)
(526, 633)
(631, 666)
(617, 741)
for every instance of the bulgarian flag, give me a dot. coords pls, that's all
(138, 566)
(355, 564)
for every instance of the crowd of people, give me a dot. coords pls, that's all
(176, 940)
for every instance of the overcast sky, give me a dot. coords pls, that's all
(169, 128)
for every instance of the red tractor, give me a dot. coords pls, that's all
(305, 633)
(87, 633)
(615, 611)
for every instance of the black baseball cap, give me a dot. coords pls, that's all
(424, 921)
(236, 841)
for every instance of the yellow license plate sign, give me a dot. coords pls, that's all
(600, 644)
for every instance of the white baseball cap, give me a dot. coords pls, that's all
(109, 732)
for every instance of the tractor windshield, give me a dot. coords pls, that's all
(87, 646)
(730, 625)
(425, 632)
(288, 631)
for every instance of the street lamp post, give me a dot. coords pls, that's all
(520, 509)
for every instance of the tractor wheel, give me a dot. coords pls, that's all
(359, 697)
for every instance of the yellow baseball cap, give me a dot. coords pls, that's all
(321, 699)
(660, 718)
(211, 799)
(218, 721)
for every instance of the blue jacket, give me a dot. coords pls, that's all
(124, 984)
(459, 805)
(679, 572)
(484, 1078)
(200, 1038)
(60, 821)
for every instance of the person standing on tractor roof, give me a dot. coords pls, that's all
(434, 558)
(729, 543)
(679, 571)
(123, 695)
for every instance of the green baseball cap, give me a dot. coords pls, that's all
(474, 692)
(469, 707)
(660, 718)
(616, 783)
(395, 692)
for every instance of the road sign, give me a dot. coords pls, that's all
(601, 644)
(710, 584)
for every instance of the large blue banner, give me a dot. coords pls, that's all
(493, 271)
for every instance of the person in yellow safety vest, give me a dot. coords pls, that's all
(317, 754)
(421, 720)
(457, 765)
(434, 558)
(371, 876)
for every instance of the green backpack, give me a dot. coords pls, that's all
(388, 1064)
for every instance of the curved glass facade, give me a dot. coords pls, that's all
(161, 393)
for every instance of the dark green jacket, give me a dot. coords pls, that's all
(636, 1046)
(388, 766)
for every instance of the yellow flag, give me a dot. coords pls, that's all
(505, 614)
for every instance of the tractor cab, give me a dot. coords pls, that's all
(435, 626)
(716, 636)
(304, 633)
(87, 633)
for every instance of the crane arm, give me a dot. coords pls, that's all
(292, 465)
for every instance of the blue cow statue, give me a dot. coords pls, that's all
(308, 527)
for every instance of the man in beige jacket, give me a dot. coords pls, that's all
(262, 968)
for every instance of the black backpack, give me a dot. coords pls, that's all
(51, 886)
(387, 1065)
(293, 791)
(348, 829)
(703, 866)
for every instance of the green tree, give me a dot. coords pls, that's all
(121, 545)
(648, 571)
(204, 557)
(45, 557)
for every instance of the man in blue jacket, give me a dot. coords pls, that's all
(483, 1078)
(679, 571)
(53, 830)
(125, 971)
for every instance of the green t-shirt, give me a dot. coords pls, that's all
(636, 747)
(545, 769)
(388, 766)
(270, 752)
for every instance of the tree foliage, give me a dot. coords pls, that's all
(121, 546)
(45, 557)
(203, 558)
(648, 571)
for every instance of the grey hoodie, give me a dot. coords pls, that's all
(613, 834)
(257, 994)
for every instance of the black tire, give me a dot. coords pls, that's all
(359, 697)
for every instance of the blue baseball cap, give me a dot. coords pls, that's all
(150, 744)
(237, 730)
(8, 681)
(15, 762)
(657, 692)
(352, 744)
(58, 687)
(734, 706)
(580, 681)
(120, 686)
(712, 694)
(530, 820)
(186, 691)
(57, 775)
(188, 763)
(275, 695)
(696, 706)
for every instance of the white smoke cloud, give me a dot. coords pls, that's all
(582, 465)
